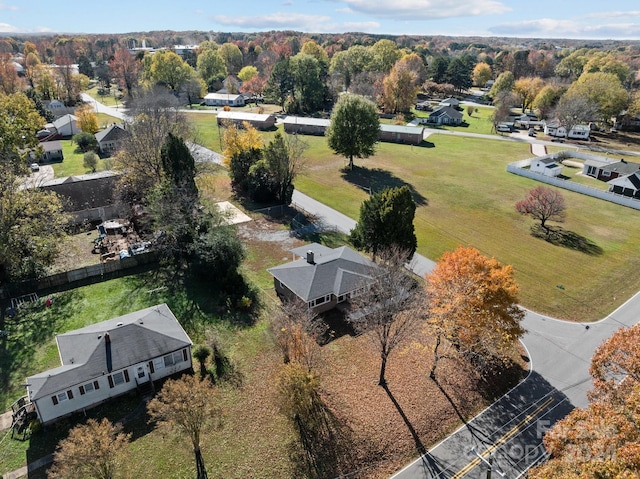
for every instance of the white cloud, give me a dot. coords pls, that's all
(8, 7)
(553, 28)
(427, 9)
(6, 28)
(295, 21)
(635, 13)
(344, 10)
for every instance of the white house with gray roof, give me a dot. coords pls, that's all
(323, 277)
(108, 359)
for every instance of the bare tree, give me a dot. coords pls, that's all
(297, 330)
(187, 405)
(388, 310)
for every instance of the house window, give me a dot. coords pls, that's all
(591, 171)
(61, 397)
(89, 387)
(342, 298)
(171, 359)
(118, 378)
(606, 174)
(319, 301)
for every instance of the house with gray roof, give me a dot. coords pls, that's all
(110, 138)
(257, 120)
(547, 166)
(108, 359)
(323, 277)
(605, 169)
(401, 134)
(300, 125)
(445, 115)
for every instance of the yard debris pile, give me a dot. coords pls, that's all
(117, 239)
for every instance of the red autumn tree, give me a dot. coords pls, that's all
(543, 204)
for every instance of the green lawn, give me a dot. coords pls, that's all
(479, 122)
(72, 163)
(465, 196)
(109, 100)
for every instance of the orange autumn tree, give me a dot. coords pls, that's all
(603, 439)
(87, 119)
(473, 306)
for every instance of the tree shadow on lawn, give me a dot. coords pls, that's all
(568, 239)
(375, 180)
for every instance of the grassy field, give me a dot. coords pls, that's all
(108, 100)
(73, 162)
(465, 196)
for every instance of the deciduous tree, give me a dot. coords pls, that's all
(603, 89)
(211, 67)
(527, 89)
(232, 57)
(87, 119)
(388, 310)
(187, 406)
(90, 161)
(602, 440)
(168, 69)
(354, 128)
(400, 89)
(543, 204)
(386, 221)
(247, 73)
(473, 304)
(94, 450)
(125, 68)
(504, 83)
(481, 74)
(243, 148)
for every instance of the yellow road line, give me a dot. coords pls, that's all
(508, 435)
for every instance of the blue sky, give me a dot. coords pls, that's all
(612, 19)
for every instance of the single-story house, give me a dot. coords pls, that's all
(51, 151)
(110, 138)
(628, 185)
(626, 121)
(445, 115)
(607, 170)
(401, 134)
(323, 277)
(224, 99)
(257, 120)
(64, 127)
(577, 132)
(452, 102)
(108, 359)
(305, 126)
(546, 166)
(424, 106)
(54, 105)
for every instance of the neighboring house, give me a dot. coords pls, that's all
(452, 102)
(305, 126)
(546, 166)
(52, 151)
(224, 99)
(577, 132)
(424, 105)
(401, 134)
(257, 120)
(108, 359)
(625, 121)
(64, 127)
(628, 185)
(110, 138)
(54, 105)
(607, 170)
(323, 277)
(89, 197)
(445, 115)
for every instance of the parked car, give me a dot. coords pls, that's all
(503, 128)
(34, 167)
(532, 132)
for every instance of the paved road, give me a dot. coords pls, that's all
(98, 107)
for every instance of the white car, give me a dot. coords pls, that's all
(503, 128)
(34, 167)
